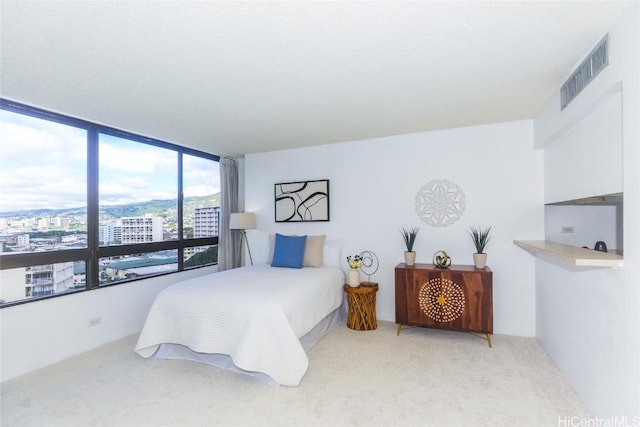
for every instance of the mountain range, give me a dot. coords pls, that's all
(158, 207)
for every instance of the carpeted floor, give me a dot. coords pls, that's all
(423, 377)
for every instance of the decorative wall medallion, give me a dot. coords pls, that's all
(441, 300)
(440, 203)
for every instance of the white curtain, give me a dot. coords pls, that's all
(228, 240)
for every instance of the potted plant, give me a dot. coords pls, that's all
(480, 239)
(409, 240)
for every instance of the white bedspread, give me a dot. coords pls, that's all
(256, 315)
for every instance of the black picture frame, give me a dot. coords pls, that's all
(302, 201)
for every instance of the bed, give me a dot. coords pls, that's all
(258, 319)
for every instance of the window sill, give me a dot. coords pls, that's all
(571, 254)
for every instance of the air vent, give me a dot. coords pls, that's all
(597, 60)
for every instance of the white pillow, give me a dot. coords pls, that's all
(332, 253)
(272, 243)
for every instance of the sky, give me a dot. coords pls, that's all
(43, 165)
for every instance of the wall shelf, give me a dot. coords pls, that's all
(571, 254)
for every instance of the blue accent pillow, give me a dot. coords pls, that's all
(288, 251)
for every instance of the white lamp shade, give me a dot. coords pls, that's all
(242, 221)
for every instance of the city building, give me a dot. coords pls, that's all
(36, 281)
(108, 233)
(206, 221)
(141, 229)
(61, 223)
(16, 239)
(48, 279)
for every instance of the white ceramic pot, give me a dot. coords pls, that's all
(409, 258)
(354, 278)
(480, 260)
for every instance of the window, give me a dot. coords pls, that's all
(138, 188)
(201, 209)
(43, 178)
(84, 206)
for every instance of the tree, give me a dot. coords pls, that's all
(210, 256)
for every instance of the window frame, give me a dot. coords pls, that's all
(93, 252)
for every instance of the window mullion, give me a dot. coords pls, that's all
(93, 226)
(180, 213)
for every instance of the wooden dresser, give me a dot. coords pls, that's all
(458, 298)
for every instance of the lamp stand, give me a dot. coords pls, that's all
(243, 236)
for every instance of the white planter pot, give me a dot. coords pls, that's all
(409, 258)
(353, 278)
(480, 260)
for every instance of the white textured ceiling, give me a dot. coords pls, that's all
(238, 77)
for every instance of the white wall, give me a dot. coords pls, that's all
(577, 163)
(590, 224)
(40, 333)
(373, 184)
(588, 318)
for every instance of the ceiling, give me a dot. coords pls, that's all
(232, 77)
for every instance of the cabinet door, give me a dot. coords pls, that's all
(449, 299)
(403, 277)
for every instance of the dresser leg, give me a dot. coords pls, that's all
(489, 340)
(399, 326)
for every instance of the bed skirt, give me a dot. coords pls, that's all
(223, 361)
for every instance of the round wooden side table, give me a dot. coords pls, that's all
(361, 315)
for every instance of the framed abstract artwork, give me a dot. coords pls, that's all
(303, 201)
